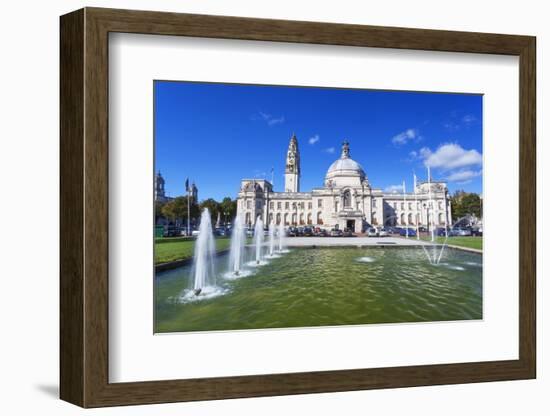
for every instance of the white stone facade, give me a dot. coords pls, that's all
(347, 199)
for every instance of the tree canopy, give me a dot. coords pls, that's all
(465, 203)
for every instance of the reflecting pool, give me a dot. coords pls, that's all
(306, 287)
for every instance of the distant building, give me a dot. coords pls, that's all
(160, 193)
(346, 200)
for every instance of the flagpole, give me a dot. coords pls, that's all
(188, 208)
(406, 212)
(416, 207)
(430, 207)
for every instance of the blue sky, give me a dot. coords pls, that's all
(217, 134)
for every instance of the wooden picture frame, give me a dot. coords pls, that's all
(84, 207)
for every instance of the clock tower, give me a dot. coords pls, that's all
(292, 170)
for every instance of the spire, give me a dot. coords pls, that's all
(345, 150)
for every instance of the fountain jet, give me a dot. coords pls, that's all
(236, 252)
(203, 259)
(259, 238)
(281, 235)
(271, 238)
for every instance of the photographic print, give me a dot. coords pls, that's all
(292, 206)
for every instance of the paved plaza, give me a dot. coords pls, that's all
(353, 241)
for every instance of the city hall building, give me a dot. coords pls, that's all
(346, 200)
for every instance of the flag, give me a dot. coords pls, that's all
(187, 185)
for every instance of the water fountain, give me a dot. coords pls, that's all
(281, 237)
(271, 239)
(205, 249)
(259, 239)
(236, 252)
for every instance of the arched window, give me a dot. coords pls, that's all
(347, 199)
(402, 219)
(301, 219)
(278, 219)
(319, 218)
(247, 219)
(270, 218)
(410, 219)
(286, 219)
(309, 218)
(294, 219)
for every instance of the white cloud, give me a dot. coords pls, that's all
(274, 121)
(463, 176)
(330, 150)
(394, 189)
(469, 119)
(405, 136)
(450, 156)
(270, 119)
(314, 139)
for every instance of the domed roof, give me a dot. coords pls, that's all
(345, 166)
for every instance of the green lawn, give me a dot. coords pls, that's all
(468, 242)
(170, 249)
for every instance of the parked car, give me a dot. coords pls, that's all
(411, 232)
(347, 232)
(477, 231)
(372, 232)
(461, 232)
(195, 233)
(441, 232)
(292, 232)
(336, 233)
(422, 229)
(322, 233)
(308, 232)
(383, 232)
(170, 232)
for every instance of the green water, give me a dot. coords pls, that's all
(328, 286)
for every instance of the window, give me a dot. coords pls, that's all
(258, 204)
(319, 203)
(249, 204)
(347, 199)
(302, 205)
(271, 205)
(294, 205)
(319, 218)
(278, 205)
(286, 206)
(402, 205)
(309, 205)
(410, 205)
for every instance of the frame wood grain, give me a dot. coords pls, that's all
(84, 207)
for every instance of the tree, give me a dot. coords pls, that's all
(464, 204)
(158, 209)
(176, 209)
(228, 208)
(213, 206)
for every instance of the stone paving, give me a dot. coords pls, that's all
(353, 241)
